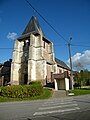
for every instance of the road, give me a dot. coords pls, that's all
(68, 108)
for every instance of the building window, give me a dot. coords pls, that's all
(26, 43)
(44, 44)
(60, 71)
(54, 69)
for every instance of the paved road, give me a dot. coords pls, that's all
(67, 108)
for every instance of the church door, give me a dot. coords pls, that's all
(25, 78)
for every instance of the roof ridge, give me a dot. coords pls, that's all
(61, 63)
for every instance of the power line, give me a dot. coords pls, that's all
(46, 21)
(80, 45)
(60, 44)
(54, 45)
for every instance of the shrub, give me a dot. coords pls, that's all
(34, 89)
(20, 91)
(35, 82)
(5, 91)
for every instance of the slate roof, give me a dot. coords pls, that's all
(61, 64)
(32, 27)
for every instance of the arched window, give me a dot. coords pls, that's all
(26, 43)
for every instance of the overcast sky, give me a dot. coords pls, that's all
(70, 18)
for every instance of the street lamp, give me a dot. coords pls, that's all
(71, 75)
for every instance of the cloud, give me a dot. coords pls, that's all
(12, 36)
(81, 60)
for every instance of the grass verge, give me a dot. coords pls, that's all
(47, 93)
(83, 91)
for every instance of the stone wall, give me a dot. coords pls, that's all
(40, 52)
(16, 62)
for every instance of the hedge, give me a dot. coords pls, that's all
(22, 91)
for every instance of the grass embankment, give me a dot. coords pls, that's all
(45, 95)
(82, 91)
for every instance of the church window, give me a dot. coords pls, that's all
(60, 71)
(44, 44)
(26, 43)
(54, 69)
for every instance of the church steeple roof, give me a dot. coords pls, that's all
(33, 27)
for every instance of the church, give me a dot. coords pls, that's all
(34, 59)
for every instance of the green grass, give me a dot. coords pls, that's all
(82, 91)
(45, 95)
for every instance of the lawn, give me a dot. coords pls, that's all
(47, 93)
(82, 91)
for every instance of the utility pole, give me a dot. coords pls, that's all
(71, 75)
